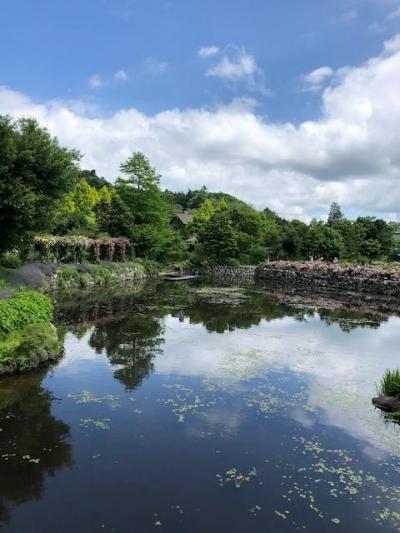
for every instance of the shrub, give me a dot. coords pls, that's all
(390, 383)
(22, 309)
(22, 351)
(10, 261)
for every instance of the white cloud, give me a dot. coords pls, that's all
(121, 75)
(350, 154)
(207, 51)
(95, 81)
(315, 80)
(238, 67)
(395, 14)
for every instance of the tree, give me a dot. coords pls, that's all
(76, 211)
(218, 239)
(35, 173)
(376, 235)
(324, 241)
(113, 217)
(94, 180)
(149, 211)
(139, 173)
(335, 214)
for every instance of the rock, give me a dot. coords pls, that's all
(389, 404)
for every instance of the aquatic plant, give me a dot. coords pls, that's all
(390, 383)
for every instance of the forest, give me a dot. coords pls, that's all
(45, 195)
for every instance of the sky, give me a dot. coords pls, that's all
(286, 104)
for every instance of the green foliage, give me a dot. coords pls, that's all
(94, 180)
(324, 241)
(139, 173)
(335, 214)
(114, 217)
(42, 190)
(22, 309)
(20, 351)
(218, 239)
(87, 275)
(390, 383)
(10, 261)
(77, 210)
(35, 172)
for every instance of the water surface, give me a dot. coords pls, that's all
(185, 408)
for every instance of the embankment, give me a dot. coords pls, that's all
(326, 277)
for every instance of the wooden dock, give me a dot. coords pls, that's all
(179, 277)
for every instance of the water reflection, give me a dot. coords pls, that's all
(238, 382)
(33, 442)
(132, 344)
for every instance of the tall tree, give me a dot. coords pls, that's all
(335, 214)
(218, 239)
(35, 172)
(139, 173)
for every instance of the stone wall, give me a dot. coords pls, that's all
(232, 273)
(325, 277)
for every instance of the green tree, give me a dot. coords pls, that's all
(150, 213)
(113, 217)
(325, 241)
(35, 172)
(218, 239)
(335, 214)
(139, 173)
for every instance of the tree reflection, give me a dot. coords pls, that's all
(131, 343)
(129, 325)
(33, 443)
(256, 305)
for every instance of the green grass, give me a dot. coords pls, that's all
(390, 383)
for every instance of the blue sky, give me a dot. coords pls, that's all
(54, 47)
(99, 57)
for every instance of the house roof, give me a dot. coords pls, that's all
(185, 218)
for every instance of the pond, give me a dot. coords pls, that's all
(203, 409)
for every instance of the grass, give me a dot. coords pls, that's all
(390, 383)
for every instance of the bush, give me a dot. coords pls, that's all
(10, 261)
(390, 383)
(22, 351)
(22, 309)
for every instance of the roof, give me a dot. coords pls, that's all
(185, 218)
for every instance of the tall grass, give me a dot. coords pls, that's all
(390, 383)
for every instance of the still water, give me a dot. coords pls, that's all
(201, 409)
